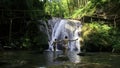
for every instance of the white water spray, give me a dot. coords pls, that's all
(57, 28)
(70, 28)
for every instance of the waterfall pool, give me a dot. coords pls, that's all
(33, 59)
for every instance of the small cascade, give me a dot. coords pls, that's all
(70, 28)
(48, 31)
(57, 28)
(76, 35)
(52, 23)
(57, 32)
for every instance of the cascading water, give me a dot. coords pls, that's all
(58, 31)
(57, 28)
(76, 35)
(53, 23)
(70, 28)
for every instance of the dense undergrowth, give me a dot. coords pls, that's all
(100, 37)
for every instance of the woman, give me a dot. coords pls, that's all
(65, 44)
(55, 44)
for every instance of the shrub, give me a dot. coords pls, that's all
(96, 36)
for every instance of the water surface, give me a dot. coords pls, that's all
(33, 59)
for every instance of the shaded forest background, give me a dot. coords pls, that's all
(100, 19)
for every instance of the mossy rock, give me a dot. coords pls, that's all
(62, 58)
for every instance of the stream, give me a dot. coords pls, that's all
(49, 59)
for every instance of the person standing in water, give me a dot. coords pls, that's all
(55, 44)
(65, 44)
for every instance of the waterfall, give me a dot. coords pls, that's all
(70, 28)
(77, 35)
(53, 24)
(57, 28)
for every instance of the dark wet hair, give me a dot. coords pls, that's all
(55, 39)
(66, 37)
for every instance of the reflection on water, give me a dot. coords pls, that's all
(53, 58)
(73, 57)
(50, 57)
(31, 59)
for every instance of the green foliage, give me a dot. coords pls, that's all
(63, 8)
(100, 37)
(88, 9)
(32, 9)
(55, 7)
(20, 12)
(36, 8)
(96, 34)
(115, 39)
(34, 39)
(80, 8)
(94, 7)
(116, 46)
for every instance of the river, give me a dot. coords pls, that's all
(34, 59)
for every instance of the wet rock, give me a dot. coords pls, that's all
(81, 54)
(62, 58)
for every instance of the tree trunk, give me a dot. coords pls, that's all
(10, 30)
(115, 21)
(68, 7)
